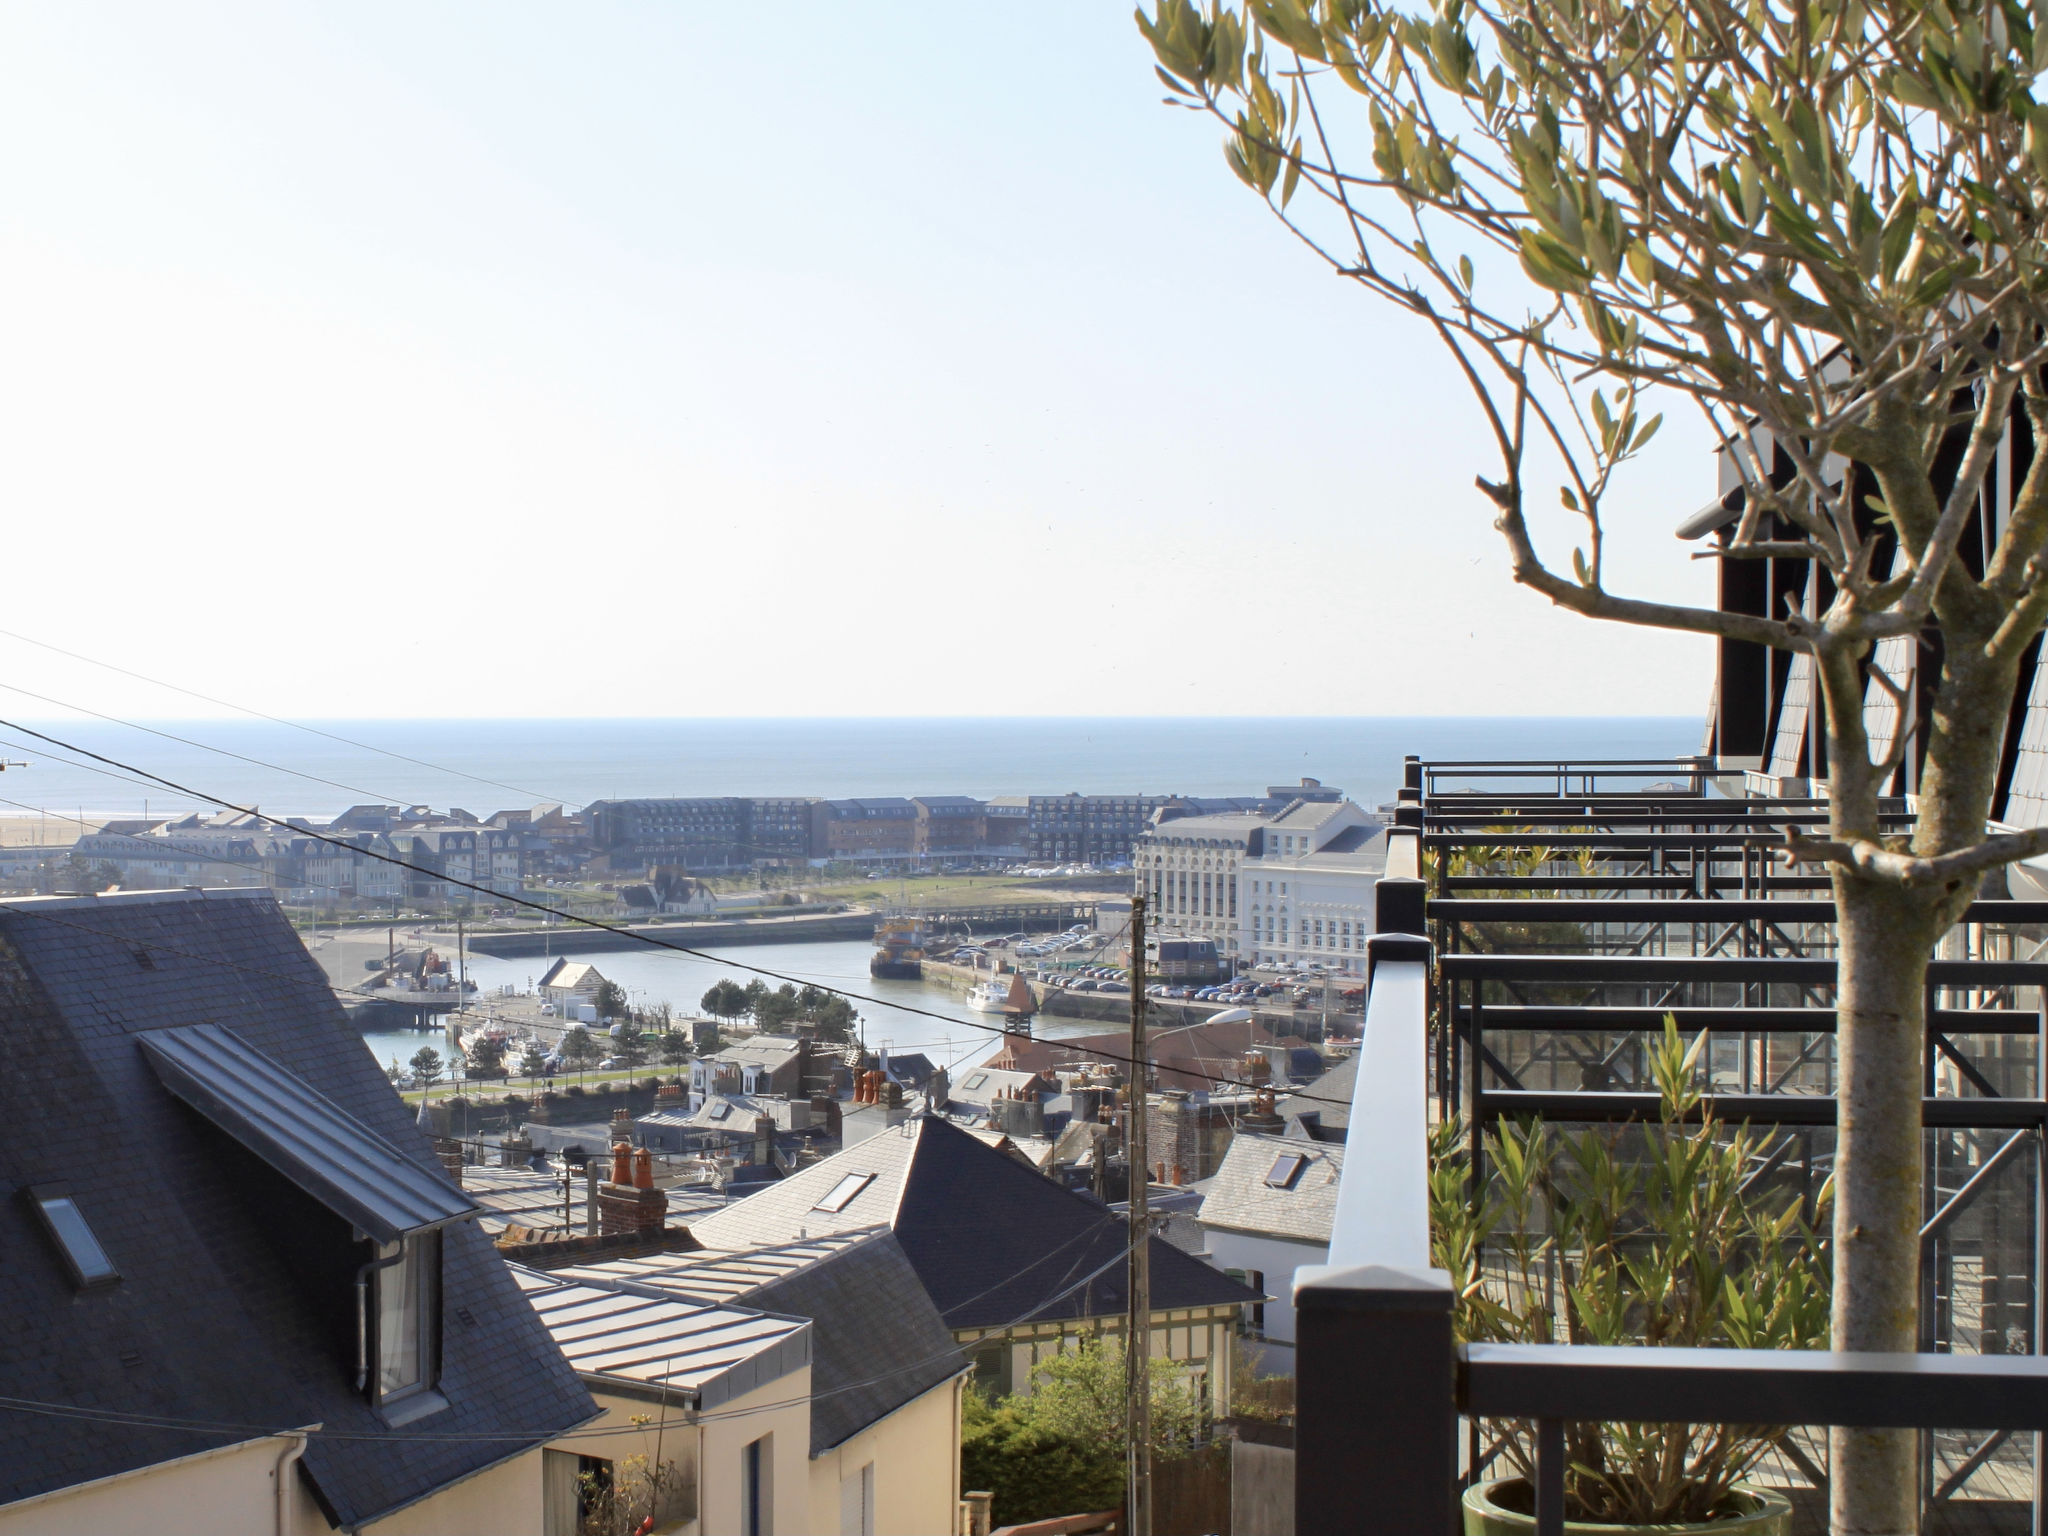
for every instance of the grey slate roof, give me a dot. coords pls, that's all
(1239, 1198)
(1321, 1111)
(235, 1304)
(302, 1133)
(993, 1243)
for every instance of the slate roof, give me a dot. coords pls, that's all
(235, 1304)
(993, 1243)
(1240, 1199)
(1321, 1111)
(877, 1344)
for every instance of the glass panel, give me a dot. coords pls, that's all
(399, 1322)
(843, 1192)
(67, 1225)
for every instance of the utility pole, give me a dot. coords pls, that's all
(1138, 1323)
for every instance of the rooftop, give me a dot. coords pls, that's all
(992, 1242)
(1275, 1187)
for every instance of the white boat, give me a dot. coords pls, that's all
(1009, 995)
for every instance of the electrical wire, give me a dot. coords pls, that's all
(297, 725)
(630, 934)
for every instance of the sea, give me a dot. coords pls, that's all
(317, 768)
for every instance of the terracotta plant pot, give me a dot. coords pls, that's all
(1770, 1514)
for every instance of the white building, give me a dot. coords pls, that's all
(1268, 1211)
(1307, 887)
(1186, 869)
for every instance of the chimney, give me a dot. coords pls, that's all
(764, 1140)
(622, 1163)
(449, 1151)
(892, 1093)
(625, 1208)
(514, 1151)
(643, 1169)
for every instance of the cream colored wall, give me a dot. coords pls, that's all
(916, 1453)
(504, 1501)
(212, 1494)
(719, 1439)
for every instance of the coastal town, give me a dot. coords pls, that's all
(766, 775)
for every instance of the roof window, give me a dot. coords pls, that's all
(842, 1193)
(1285, 1170)
(68, 1229)
(975, 1081)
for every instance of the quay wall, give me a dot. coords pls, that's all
(696, 935)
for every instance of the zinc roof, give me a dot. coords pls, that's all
(302, 1133)
(637, 1340)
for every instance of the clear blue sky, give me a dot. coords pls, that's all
(504, 359)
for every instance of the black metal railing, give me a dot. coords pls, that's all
(1382, 1388)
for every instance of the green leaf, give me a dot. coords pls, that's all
(1465, 273)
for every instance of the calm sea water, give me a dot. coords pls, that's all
(490, 765)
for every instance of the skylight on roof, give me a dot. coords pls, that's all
(1285, 1170)
(975, 1081)
(721, 1109)
(67, 1226)
(842, 1193)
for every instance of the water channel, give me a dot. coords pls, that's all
(904, 1015)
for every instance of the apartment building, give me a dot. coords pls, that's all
(948, 826)
(702, 832)
(1087, 829)
(875, 831)
(1186, 867)
(1306, 887)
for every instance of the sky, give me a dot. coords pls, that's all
(624, 360)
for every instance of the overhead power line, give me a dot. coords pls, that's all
(296, 725)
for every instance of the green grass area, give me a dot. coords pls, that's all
(935, 891)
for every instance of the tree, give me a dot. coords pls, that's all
(674, 1047)
(579, 1049)
(834, 1019)
(611, 1000)
(773, 1010)
(629, 1045)
(486, 1056)
(726, 999)
(426, 1069)
(755, 992)
(1821, 227)
(533, 1062)
(1060, 1451)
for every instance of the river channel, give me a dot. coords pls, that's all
(925, 1016)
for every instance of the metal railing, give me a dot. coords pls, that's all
(1382, 1387)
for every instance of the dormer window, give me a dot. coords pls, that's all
(408, 1316)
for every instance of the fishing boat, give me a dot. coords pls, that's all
(1007, 995)
(899, 950)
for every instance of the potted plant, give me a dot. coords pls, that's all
(1649, 1235)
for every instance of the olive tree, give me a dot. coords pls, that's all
(1818, 224)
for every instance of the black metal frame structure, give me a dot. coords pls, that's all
(1569, 975)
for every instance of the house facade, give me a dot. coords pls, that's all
(1267, 1212)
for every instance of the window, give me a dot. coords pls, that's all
(721, 1109)
(842, 1193)
(975, 1081)
(66, 1224)
(857, 1502)
(1285, 1170)
(408, 1315)
(757, 1487)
